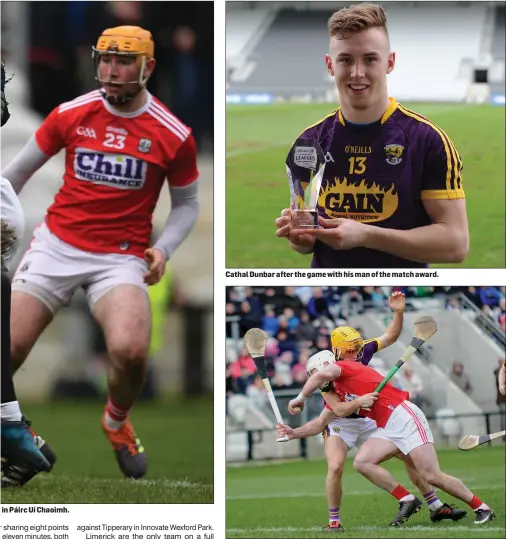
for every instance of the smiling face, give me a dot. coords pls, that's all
(359, 60)
(359, 65)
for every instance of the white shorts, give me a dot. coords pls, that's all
(407, 428)
(353, 432)
(51, 270)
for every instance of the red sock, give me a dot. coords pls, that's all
(115, 411)
(475, 503)
(399, 492)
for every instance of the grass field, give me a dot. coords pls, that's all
(258, 140)
(288, 500)
(179, 470)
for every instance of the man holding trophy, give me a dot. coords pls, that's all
(372, 184)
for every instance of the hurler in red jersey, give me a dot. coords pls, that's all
(401, 426)
(122, 145)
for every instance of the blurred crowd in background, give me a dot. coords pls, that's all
(490, 300)
(59, 37)
(299, 321)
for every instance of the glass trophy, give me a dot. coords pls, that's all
(305, 165)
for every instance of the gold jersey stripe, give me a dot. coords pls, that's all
(439, 194)
(453, 161)
(392, 107)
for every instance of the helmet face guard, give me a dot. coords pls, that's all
(346, 339)
(126, 41)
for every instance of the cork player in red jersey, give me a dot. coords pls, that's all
(121, 146)
(401, 426)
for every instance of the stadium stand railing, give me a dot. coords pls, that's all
(260, 444)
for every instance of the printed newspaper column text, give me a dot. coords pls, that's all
(147, 531)
(34, 531)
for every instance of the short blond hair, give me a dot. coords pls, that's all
(356, 18)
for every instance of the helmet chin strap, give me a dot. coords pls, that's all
(124, 97)
(118, 99)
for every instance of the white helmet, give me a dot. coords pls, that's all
(319, 361)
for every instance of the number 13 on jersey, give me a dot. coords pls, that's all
(357, 165)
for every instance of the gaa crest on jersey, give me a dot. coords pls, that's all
(394, 153)
(144, 145)
(112, 169)
(336, 429)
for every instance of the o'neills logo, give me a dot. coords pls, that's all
(305, 156)
(361, 202)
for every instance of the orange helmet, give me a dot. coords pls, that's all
(126, 41)
(346, 339)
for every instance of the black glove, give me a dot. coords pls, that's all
(5, 108)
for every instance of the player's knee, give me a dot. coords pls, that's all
(335, 468)
(129, 354)
(360, 464)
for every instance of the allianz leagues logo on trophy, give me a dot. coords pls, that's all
(305, 165)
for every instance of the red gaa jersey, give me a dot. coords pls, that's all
(370, 347)
(357, 380)
(115, 166)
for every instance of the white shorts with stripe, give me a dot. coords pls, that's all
(407, 428)
(354, 432)
(51, 270)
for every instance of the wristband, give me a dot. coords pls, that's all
(300, 397)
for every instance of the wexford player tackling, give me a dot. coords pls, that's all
(121, 146)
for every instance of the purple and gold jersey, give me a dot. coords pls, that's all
(369, 348)
(380, 174)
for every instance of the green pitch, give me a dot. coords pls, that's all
(258, 140)
(179, 470)
(288, 500)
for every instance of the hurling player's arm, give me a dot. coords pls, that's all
(183, 186)
(446, 240)
(501, 379)
(442, 195)
(315, 426)
(320, 379)
(341, 409)
(393, 330)
(47, 141)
